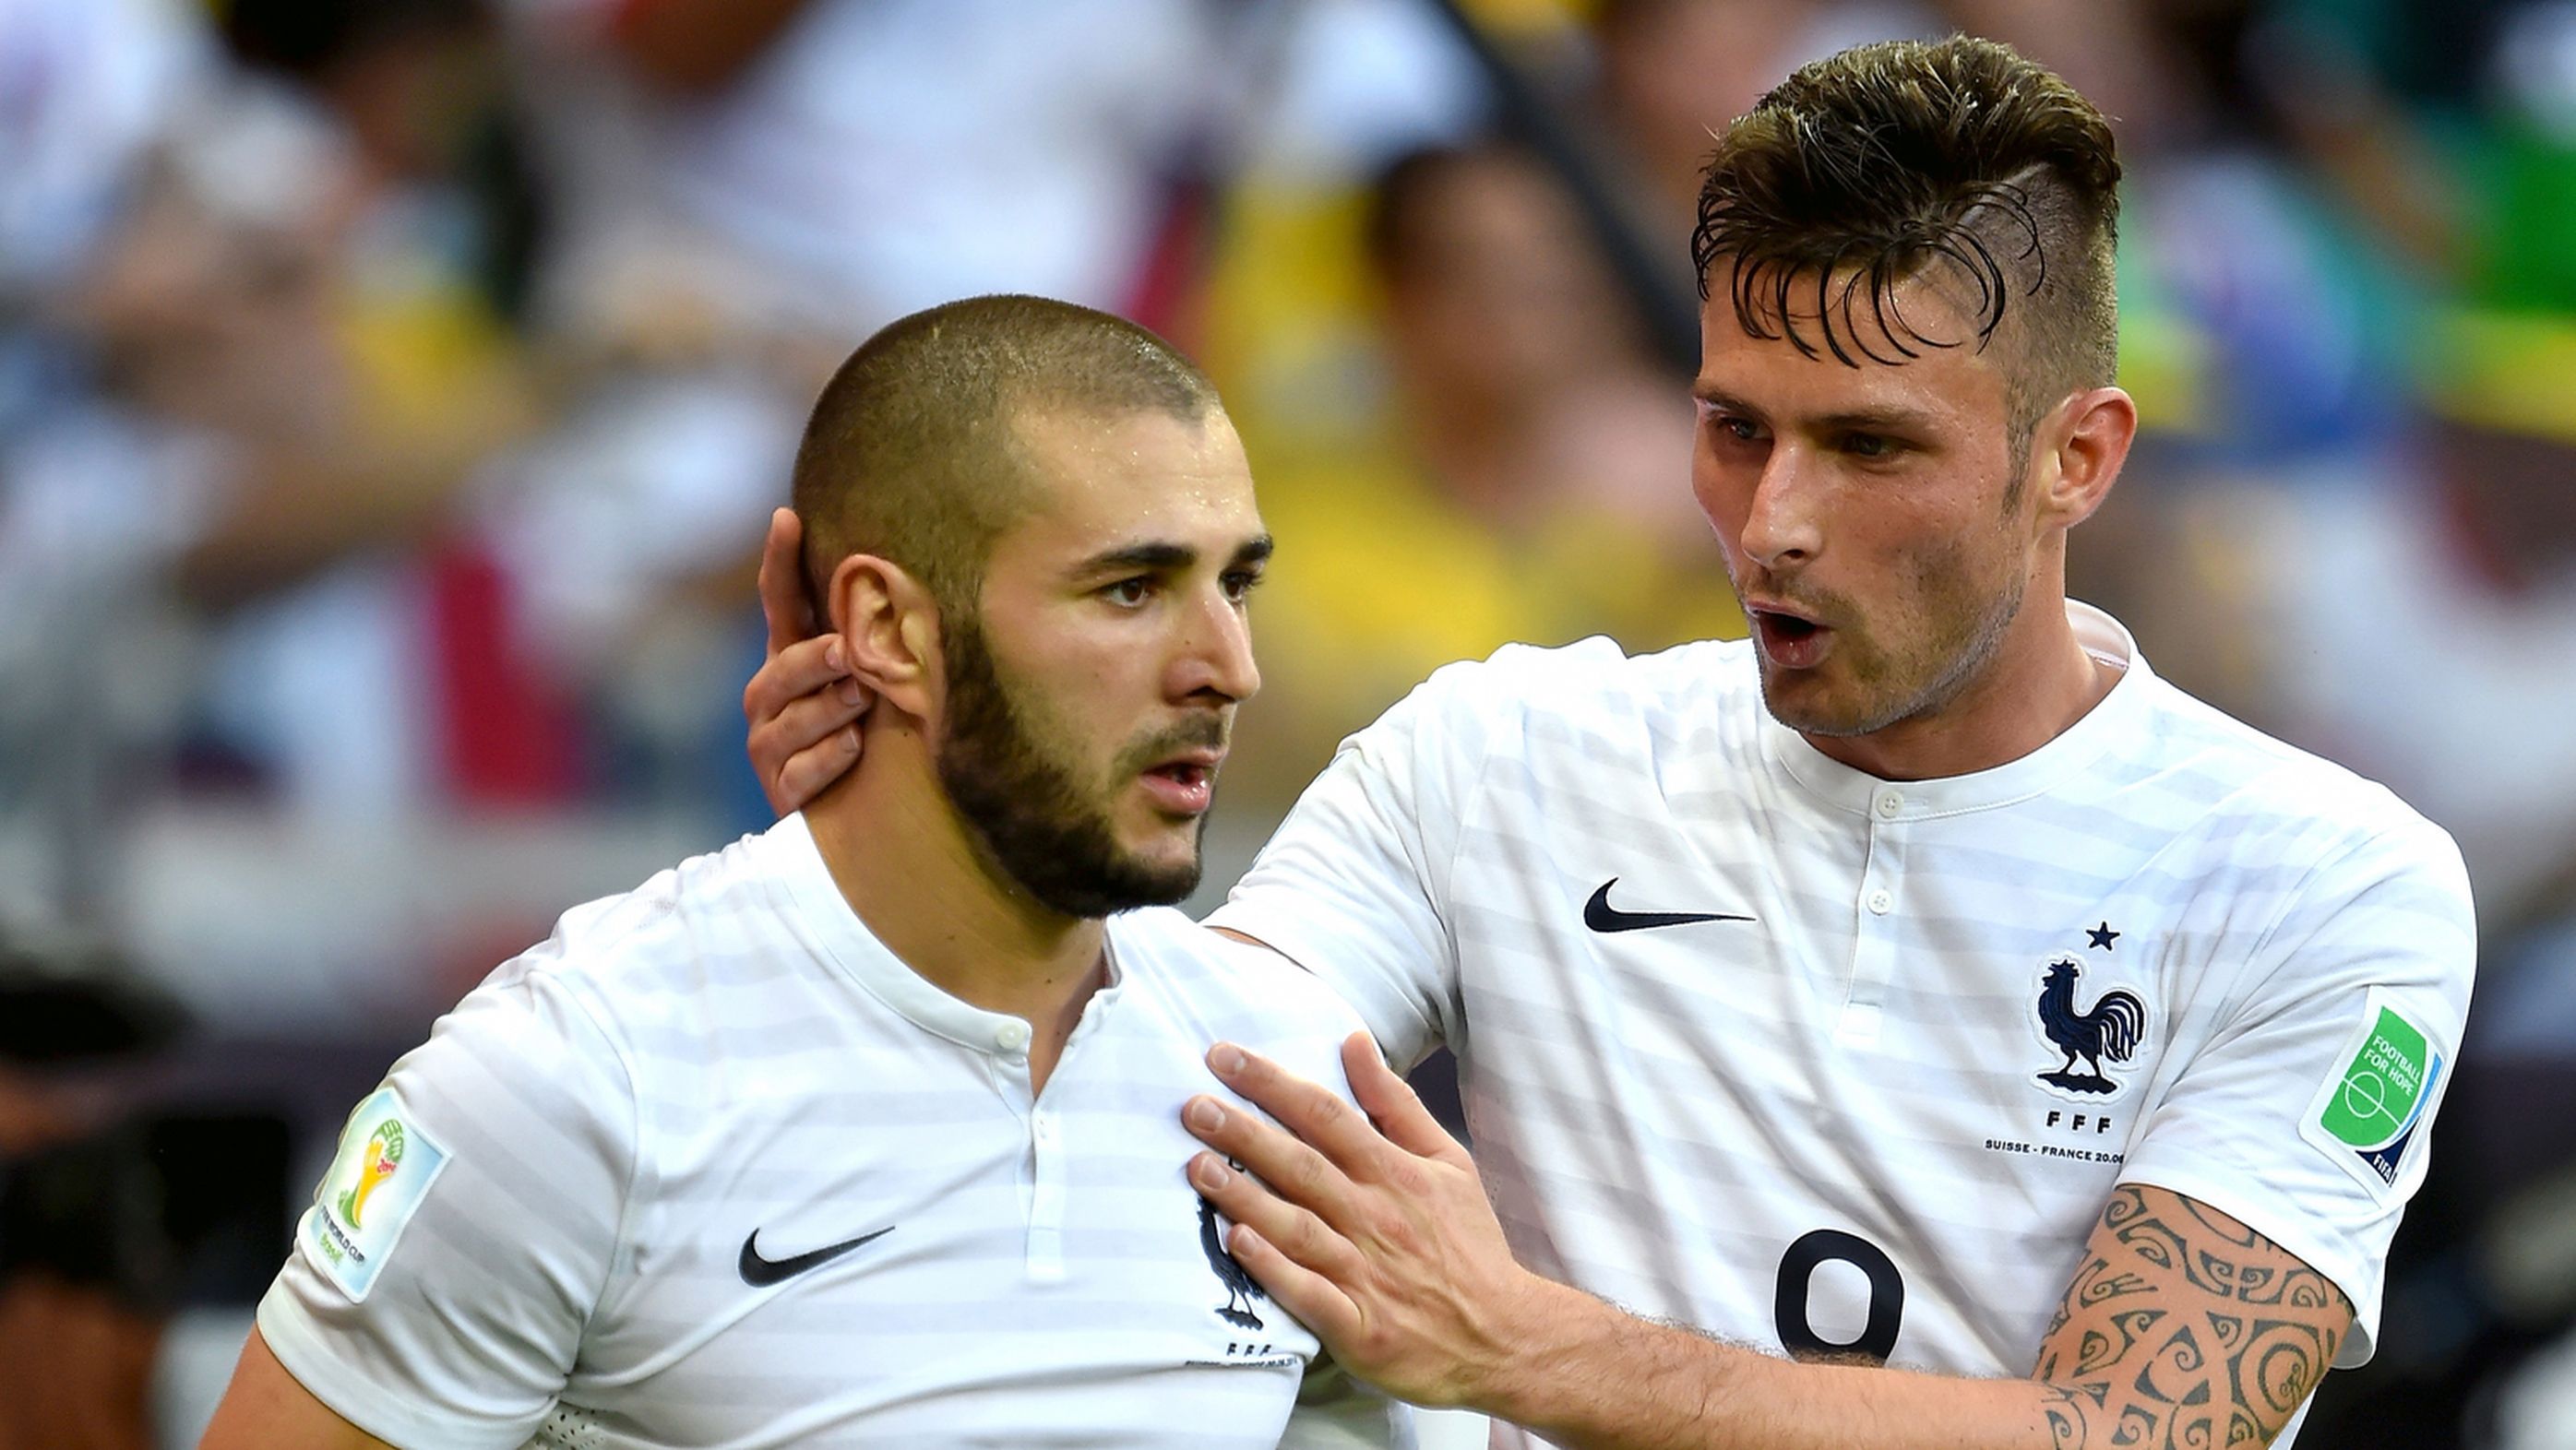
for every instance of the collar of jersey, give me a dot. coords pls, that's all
(2034, 774)
(822, 915)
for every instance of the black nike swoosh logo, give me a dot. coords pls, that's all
(760, 1273)
(1600, 915)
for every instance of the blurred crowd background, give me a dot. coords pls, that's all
(393, 393)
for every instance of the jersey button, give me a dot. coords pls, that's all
(1012, 1036)
(1881, 903)
(1889, 803)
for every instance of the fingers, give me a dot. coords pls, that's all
(803, 711)
(1315, 1299)
(1310, 1110)
(783, 602)
(810, 720)
(799, 670)
(794, 783)
(1300, 1238)
(1294, 1171)
(1393, 1105)
(808, 771)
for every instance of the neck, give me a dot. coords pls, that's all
(2034, 687)
(913, 871)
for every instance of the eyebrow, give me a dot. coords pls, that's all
(1883, 419)
(1163, 556)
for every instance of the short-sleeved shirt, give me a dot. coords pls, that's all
(1810, 1059)
(713, 1167)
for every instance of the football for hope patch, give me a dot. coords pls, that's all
(383, 1170)
(2369, 1113)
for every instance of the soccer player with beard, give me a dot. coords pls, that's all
(865, 1130)
(1924, 984)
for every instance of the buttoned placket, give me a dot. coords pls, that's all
(1874, 937)
(1044, 1203)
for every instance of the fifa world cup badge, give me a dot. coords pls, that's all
(383, 1170)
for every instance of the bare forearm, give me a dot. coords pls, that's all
(1606, 1380)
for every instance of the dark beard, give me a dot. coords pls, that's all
(1030, 813)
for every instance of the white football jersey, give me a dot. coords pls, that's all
(713, 1167)
(1813, 1060)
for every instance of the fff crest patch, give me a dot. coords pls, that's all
(2372, 1110)
(2099, 1032)
(384, 1168)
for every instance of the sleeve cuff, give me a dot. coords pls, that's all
(1402, 1032)
(302, 1346)
(2293, 1231)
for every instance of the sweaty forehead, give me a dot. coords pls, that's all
(1095, 480)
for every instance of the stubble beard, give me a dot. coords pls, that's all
(1036, 825)
(1962, 652)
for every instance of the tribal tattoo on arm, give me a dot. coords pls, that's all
(2185, 1330)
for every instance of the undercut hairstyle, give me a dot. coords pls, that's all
(1866, 170)
(914, 453)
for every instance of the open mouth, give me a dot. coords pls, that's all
(1792, 641)
(1185, 786)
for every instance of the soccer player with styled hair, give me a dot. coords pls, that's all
(865, 1131)
(1916, 1026)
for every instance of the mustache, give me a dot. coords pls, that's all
(1198, 732)
(1825, 609)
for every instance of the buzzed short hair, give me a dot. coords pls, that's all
(1865, 169)
(913, 452)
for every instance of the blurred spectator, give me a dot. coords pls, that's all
(89, 86)
(1526, 478)
(814, 167)
(1674, 72)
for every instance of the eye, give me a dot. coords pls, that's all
(1732, 427)
(1239, 583)
(1129, 593)
(1869, 445)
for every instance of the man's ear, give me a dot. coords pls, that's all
(2090, 445)
(889, 628)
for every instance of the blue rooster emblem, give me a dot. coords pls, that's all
(1241, 1292)
(2109, 1031)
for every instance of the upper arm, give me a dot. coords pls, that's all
(265, 1408)
(2355, 1000)
(2185, 1327)
(1354, 884)
(444, 1278)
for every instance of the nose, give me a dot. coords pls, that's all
(1216, 656)
(1780, 529)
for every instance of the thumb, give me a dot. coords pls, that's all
(783, 604)
(1393, 1105)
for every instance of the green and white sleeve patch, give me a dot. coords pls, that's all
(2372, 1110)
(384, 1169)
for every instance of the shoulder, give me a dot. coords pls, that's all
(686, 928)
(1583, 691)
(2273, 808)
(1216, 985)
(1555, 678)
(618, 1003)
